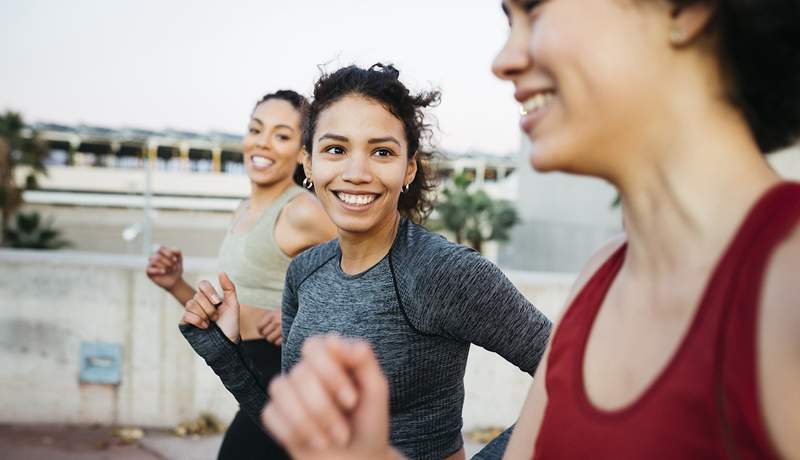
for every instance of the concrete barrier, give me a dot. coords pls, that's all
(51, 302)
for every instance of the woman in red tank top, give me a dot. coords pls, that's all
(681, 339)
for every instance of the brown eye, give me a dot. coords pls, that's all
(334, 150)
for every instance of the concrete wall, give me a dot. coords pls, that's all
(53, 301)
(565, 218)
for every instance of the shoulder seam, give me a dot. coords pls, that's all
(402, 305)
(319, 265)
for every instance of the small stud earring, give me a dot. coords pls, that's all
(677, 35)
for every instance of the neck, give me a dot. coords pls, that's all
(262, 196)
(683, 203)
(362, 250)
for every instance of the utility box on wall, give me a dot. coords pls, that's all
(101, 363)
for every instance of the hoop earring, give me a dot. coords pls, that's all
(405, 188)
(307, 183)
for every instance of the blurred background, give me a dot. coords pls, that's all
(121, 127)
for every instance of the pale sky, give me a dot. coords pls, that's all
(200, 65)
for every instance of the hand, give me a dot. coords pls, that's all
(208, 306)
(165, 267)
(269, 326)
(333, 404)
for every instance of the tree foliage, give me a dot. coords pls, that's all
(473, 216)
(17, 149)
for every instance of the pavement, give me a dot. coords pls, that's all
(25, 442)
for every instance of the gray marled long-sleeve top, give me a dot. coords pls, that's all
(420, 308)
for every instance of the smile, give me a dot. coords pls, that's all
(260, 162)
(360, 199)
(537, 103)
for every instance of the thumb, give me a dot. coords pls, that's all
(228, 288)
(371, 417)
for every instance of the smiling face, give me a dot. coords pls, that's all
(272, 144)
(588, 75)
(359, 163)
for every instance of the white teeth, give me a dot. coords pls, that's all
(261, 162)
(358, 200)
(537, 102)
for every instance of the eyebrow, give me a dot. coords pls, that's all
(276, 126)
(380, 140)
(335, 137)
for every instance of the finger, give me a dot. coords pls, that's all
(279, 342)
(371, 418)
(266, 319)
(209, 309)
(273, 336)
(322, 354)
(159, 262)
(193, 319)
(209, 292)
(228, 288)
(302, 428)
(195, 308)
(155, 271)
(320, 404)
(166, 252)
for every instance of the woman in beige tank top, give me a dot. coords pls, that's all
(278, 221)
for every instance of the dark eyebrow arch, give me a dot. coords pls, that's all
(380, 140)
(284, 126)
(335, 137)
(257, 121)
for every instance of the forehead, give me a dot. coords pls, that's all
(359, 118)
(276, 111)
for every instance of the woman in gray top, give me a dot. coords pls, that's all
(419, 300)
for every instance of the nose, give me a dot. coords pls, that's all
(357, 170)
(263, 142)
(514, 58)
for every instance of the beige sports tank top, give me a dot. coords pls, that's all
(253, 260)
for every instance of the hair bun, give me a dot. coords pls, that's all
(387, 69)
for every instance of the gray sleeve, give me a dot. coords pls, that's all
(496, 447)
(289, 302)
(466, 297)
(231, 364)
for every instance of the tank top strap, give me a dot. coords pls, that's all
(271, 214)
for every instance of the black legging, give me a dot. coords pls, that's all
(244, 440)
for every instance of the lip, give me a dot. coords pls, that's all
(529, 121)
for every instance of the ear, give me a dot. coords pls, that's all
(411, 169)
(690, 21)
(306, 163)
(301, 154)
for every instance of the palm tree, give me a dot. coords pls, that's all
(30, 232)
(473, 216)
(17, 149)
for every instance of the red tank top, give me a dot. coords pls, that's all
(704, 403)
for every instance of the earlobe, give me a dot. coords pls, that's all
(411, 170)
(306, 163)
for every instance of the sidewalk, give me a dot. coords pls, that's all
(99, 443)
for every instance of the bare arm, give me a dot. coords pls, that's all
(778, 349)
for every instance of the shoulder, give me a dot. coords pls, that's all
(781, 289)
(429, 260)
(304, 211)
(418, 244)
(597, 259)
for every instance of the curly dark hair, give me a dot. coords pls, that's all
(300, 103)
(759, 50)
(381, 83)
